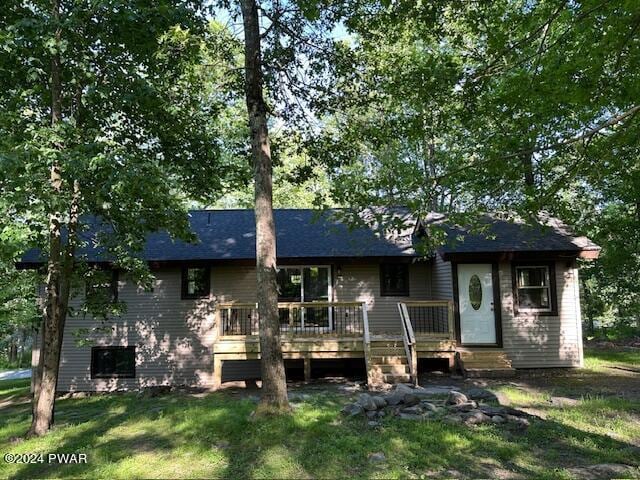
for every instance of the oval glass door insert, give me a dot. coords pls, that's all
(475, 292)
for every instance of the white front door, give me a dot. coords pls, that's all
(475, 303)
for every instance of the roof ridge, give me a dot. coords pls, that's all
(251, 209)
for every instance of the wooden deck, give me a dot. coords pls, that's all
(335, 330)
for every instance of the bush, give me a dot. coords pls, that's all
(621, 329)
(5, 364)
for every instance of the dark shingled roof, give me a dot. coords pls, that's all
(230, 235)
(499, 235)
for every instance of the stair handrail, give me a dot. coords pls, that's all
(366, 340)
(409, 340)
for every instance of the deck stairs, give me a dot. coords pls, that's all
(485, 362)
(388, 361)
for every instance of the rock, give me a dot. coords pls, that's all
(379, 401)
(481, 394)
(433, 391)
(222, 445)
(563, 402)
(430, 407)
(410, 399)
(352, 409)
(410, 416)
(522, 422)
(603, 470)
(453, 419)
(381, 413)
(489, 410)
(377, 457)
(464, 407)
(366, 401)
(498, 419)
(372, 424)
(371, 414)
(415, 410)
(403, 389)
(476, 417)
(456, 398)
(393, 399)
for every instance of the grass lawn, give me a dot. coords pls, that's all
(182, 435)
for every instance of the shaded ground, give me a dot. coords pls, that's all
(596, 421)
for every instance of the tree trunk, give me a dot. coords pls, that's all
(23, 339)
(59, 270)
(13, 352)
(36, 381)
(527, 167)
(274, 387)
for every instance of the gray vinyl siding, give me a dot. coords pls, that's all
(235, 284)
(173, 339)
(441, 279)
(361, 283)
(533, 341)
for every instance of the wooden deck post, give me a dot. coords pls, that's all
(217, 372)
(452, 363)
(307, 369)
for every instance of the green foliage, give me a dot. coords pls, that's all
(298, 181)
(620, 330)
(18, 315)
(139, 133)
(517, 106)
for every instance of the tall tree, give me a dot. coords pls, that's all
(274, 388)
(529, 106)
(279, 55)
(103, 112)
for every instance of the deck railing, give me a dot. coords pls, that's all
(296, 318)
(433, 318)
(409, 340)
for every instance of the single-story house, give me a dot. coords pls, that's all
(493, 302)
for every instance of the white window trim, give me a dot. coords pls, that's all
(329, 296)
(547, 287)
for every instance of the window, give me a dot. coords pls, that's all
(101, 286)
(305, 284)
(475, 292)
(534, 288)
(195, 282)
(394, 279)
(289, 285)
(113, 362)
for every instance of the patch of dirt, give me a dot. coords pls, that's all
(571, 384)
